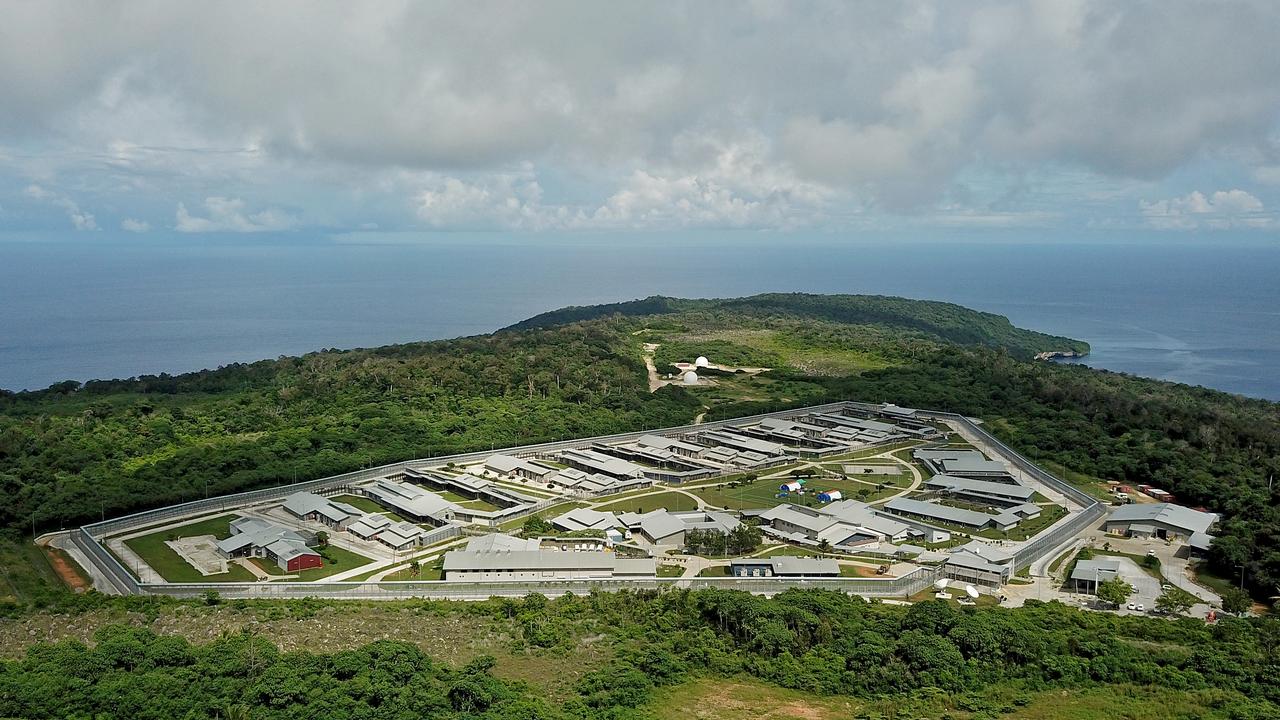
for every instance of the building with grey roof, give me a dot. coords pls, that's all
(254, 537)
(1088, 574)
(508, 565)
(784, 566)
(518, 467)
(843, 525)
(368, 526)
(963, 463)
(661, 527)
(593, 461)
(499, 542)
(742, 442)
(309, 506)
(1161, 520)
(953, 515)
(974, 569)
(411, 501)
(1001, 494)
(587, 519)
(401, 536)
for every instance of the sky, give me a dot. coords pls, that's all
(560, 117)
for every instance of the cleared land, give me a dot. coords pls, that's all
(765, 493)
(670, 500)
(731, 699)
(172, 567)
(367, 505)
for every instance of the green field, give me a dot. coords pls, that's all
(172, 567)
(672, 501)
(670, 570)
(764, 493)
(366, 504)
(433, 570)
(25, 572)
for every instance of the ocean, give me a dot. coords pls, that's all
(1202, 311)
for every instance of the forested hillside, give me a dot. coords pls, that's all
(75, 452)
(944, 322)
(932, 660)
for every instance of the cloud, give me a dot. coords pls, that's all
(80, 219)
(227, 215)
(1220, 210)
(137, 226)
(415, 113)
(731, 185)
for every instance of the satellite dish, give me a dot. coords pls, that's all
(971, 591)
(941, 584)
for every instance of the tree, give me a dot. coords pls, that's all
(1175, 601)
(322, 540)
(1114, 591)
(535, 525)
(824, 546)
(1236, 601)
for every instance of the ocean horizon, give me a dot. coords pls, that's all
(1196, 312)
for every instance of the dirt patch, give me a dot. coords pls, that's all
(66, 569)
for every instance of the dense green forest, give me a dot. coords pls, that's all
(76, 452)
(936, 659)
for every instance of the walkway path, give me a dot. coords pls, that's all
(655, 382)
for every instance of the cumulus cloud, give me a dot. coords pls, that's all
(850, 107)
(1220, 210)
(132, 225)
(731, 185)
(224, 214)
(80, 219)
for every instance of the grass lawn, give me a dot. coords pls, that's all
(670, 500)
(1088, 483)
(1057, 563)
(1140, 560)
(427, 571)
(25, 572)
(670, 570)
(764, 493)
(859, 571)
(550, 512)
(715, 571)
(1215, 583)
(172, 567)
(367, 505)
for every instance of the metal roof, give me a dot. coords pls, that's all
(981, 487)
(940, 512)
(1101, 569)
(1184, 518)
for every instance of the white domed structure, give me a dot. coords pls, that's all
(702, 361)
(690, 378)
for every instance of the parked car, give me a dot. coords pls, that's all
(1132, 606)
(1140, 608)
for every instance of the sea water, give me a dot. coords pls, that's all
(1202, 311)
